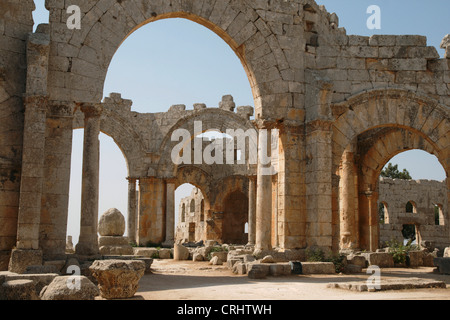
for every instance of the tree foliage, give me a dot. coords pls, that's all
(392, 171)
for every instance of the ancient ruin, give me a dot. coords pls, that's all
(333, 109)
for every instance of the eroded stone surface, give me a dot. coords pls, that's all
(118, 279)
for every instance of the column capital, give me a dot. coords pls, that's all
(132, 180)
(90, 110)
(61, 109)
(266, 124)
(369, 194)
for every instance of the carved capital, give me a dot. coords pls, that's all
(61, 109)
(91, 110)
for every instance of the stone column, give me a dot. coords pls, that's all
(264, 192)
(132, 209)
(347, 202)
(151, 224)
(251, 210)
(88, 241)
(27, 250)
(369, 195)
(170, 211)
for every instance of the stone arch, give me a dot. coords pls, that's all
(196, 177)
(235, 216)
(211, 118)
(126, 138)
(107, 24)
(383, 206)
(440, 219)
(225, 187)
(399, 120)
(411, 207)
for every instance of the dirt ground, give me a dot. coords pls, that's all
(187, 280)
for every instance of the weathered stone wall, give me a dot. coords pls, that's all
(16, 22)
(424, 195)
(191, 218)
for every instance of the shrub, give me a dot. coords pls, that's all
(317, 255)
(400, 252)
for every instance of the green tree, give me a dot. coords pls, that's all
(392, 171)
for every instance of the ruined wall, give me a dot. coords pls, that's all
(16, 22)
(424, 195)
(191, 218)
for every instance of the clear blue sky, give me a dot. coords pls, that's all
(176, 61)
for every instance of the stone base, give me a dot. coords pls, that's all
(112, 245)
(443, 265)
(5, 256)
(168, 244)
(87, 248)
(21, 259)
(18, 290)
(118, 279)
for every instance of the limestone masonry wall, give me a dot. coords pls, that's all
(424, 196)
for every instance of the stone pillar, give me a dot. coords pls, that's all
(318, 190)
(151, 223)
(132, 209)
(264, 192)
(88, 241)
(56, 185)
(32, 178)
(170, 212)
(251, 210)
(372, 244)
(347, 202)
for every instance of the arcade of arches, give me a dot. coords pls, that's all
(342, 106)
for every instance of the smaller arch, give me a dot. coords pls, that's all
(183, 213)
(411, 207)
(192, 206)
(202, 210)
(439, 218)
(383, 212)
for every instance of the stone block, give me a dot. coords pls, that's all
(165, 254)
(70, 288)
(352, 268)
(415, 259)
(231, 262)
(258, 270)
(222, 255)
(446, 252)
(280, 269)
(145, 252)
(21, 259)
(380, 259)
(357, 260)
(442, 264)
(215, 261)
(197, 257)
(116, 250)
(267, 259)
(318, 268)
(240, 268)
(180, 252)
(18, 290)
